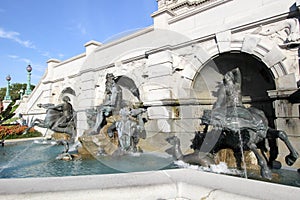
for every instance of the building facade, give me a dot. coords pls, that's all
(178, 65)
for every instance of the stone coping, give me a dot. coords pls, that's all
(163, 184)
(23, 139)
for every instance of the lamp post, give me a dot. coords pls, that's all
(7, 95)
(28, 90)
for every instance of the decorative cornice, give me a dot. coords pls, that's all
(205, 5)
(190, 3)
(176, 4)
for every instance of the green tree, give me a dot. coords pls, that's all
(14, 90)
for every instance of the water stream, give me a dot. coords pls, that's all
(242, 152)
(237, 127)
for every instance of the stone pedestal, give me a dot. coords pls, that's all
(6, 103)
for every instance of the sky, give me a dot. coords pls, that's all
(34, 31)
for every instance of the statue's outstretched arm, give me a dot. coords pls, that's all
(58, 107)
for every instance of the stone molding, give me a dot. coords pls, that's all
(69, 60)
(148, 185)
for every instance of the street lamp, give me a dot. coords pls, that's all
(7, 95)
(28, 90)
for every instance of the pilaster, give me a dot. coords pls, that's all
(91, 46)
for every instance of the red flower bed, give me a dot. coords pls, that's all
(13, 130)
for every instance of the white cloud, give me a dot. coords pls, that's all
(46, 54)
(14, 36)
(18, 58)
(13, 56)
(77, 28)
(61, 55)
(81, 28)
(28, 61)
(39, 68)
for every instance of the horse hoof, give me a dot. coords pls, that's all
(290, 159)
(266, 174)
(276, 165)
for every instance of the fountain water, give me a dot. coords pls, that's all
(241, 144)
(232, 82)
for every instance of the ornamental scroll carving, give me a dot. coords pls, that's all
(287, 31)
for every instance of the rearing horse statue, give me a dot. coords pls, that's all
(236, 127)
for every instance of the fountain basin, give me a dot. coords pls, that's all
(38, 158)
(163, 184)
(22, 180)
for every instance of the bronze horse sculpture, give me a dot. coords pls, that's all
(239, 128)
(59, 118)
(250, 138)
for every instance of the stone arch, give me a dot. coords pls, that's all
(267, 51)
(70, 92)
(256, 49)
(262, 48)
(67, 91)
